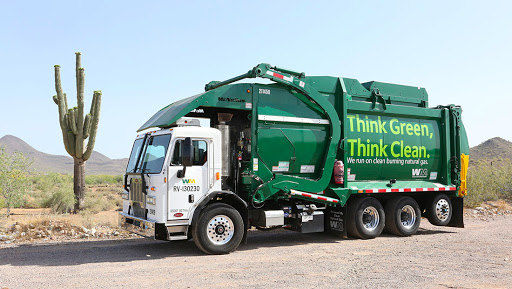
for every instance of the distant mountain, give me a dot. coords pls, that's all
(494, 149)
(43, 162)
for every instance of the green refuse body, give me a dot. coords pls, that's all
(387, 132)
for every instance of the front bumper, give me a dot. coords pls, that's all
(142, 227)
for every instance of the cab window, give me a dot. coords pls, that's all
(200, 153)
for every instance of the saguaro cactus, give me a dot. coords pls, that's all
(76, 129)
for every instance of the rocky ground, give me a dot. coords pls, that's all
(58, 231)
(478, 256)
(28, 226)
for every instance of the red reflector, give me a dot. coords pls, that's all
(278, 75)
(177, 215)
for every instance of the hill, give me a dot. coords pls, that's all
(43, 162)
(494, 149)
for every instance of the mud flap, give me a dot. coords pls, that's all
(245, 218)
(336, 221)
(457, 213)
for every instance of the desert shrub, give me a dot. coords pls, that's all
(48, 182)
(55, 191)
(14, 180)
(489, 182)
(43, 188)
(62, 200)
(103, 179)
(95, 204)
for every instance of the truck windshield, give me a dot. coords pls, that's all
(153, 154)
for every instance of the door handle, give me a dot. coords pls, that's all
(190, 198)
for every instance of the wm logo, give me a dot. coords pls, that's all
(419, 173)
(189, 181)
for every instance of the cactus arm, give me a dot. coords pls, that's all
(77, 66)
(56, 100)
(71, 142)
(65, 102)
(80, 112)
(95, 119)
(63, 107)
(87, 125)
(71, 116)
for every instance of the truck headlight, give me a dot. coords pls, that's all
(151, 200)
(125, 196)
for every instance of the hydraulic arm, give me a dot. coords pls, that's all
(296, 81)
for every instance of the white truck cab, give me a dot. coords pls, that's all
(160, 192)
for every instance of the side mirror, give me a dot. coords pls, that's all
(187, 156)
(187, 152)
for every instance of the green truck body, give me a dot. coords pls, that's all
(284, 138)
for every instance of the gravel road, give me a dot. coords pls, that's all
(479, 256)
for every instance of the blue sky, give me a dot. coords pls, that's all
(144, 55)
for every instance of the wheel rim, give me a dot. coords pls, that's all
(442, 210)
(371, 218)
(408, 217)
(220, 230)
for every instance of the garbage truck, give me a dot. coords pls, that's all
(305, 153)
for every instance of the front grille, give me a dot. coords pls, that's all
(137, 198)
(136, 194)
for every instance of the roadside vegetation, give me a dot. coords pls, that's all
(44, 211)
(489, 181)
(13, 179)
(55, 192)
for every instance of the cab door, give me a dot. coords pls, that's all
(184, 192)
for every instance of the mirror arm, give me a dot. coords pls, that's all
(181, 173)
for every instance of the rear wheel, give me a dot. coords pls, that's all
(439, 211)
(219, 229)
(365, 218)
(403, 216)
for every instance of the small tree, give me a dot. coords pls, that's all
(76, 128)
(13, 178)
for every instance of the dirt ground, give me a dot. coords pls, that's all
(478, 256)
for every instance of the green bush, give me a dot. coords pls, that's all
(61, 201)
(43, 187)
(103, 179)
(55, 191)
(95, 203)
(46, 183)
(489, 182)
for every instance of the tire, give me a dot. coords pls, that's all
(403, 216)
(439, 211)
(218, 230)
(365, 218)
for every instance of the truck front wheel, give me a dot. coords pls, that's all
(439, 211)
(403, 216)
(218, 230)
(365, 218)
